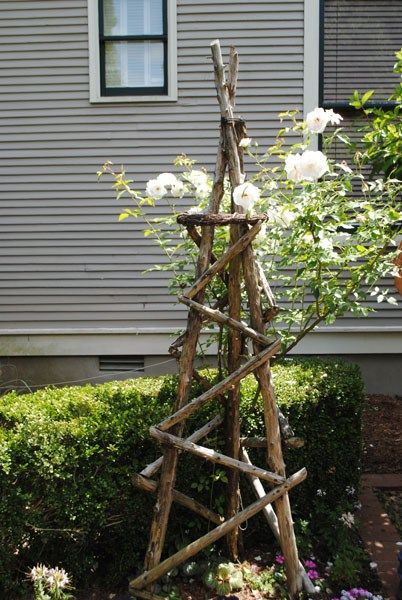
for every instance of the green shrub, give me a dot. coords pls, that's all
(66, 457)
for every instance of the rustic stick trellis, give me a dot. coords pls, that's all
(238, 259)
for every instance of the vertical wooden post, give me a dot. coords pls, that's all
(274, 448)
(232, 408)
(186, 366)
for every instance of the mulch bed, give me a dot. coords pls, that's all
(382, 434)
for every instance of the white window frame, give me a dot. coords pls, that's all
(94, 60)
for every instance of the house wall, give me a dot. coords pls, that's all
(68, 268)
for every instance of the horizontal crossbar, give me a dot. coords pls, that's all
(220, 387)
(153, 467)
(215, 457)
(219, 219)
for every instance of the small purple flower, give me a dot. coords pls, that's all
(310, 564)
(279, 559)
(313, 574)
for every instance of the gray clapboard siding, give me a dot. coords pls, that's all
(66, 261)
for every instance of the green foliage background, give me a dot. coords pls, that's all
(67, 454)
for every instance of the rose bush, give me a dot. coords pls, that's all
(329, 244)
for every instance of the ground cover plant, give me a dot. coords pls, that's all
(67, 456)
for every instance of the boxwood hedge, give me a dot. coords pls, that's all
(67, 454)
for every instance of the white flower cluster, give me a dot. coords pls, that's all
(318, 119)
(157, 188)
(54, 579)
(309, 166)
(246, 195)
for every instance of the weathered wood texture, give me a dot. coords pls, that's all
(211, 537)
(241, 259)
(272, 519)
(221, 263)
(153, 467)
(202, 219)
(186, 365)
(213, 456)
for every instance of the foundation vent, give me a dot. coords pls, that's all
(121, 363)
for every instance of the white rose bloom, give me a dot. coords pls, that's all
(202, 190)
(194, 210)
(177, 189)
(318, 119)
(283, 217)
(313, 164)
(197, 178)
(245, 195)
(245, 142)
(155, 189)
(167, 179)
(293, 167)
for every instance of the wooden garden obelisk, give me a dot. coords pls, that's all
(236, 265)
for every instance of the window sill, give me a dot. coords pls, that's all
(98, 99)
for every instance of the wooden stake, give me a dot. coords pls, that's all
(211, 537)
(272, 520)
(151, 486)
(275, 458)
(215, 457)
(186, 365)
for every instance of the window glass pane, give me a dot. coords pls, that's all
(132, 17)
(360, 39)
(134, 64)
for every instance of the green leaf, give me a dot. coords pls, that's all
(123, 216)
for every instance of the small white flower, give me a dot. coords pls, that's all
(317, 588)
(58, 578)
(308, 238)
(350, 490)
(348, 519)
(245, 195)
(194, 210)
(293, 167)
(167, 179)
(177, 189)
(373, 565)
(257, 558)
(325, 244)
(155, 189)
(318, 119)
(321, 493)
(39, 572)
(333, 118)
(313, 164)
(283, 217)
(245, 142)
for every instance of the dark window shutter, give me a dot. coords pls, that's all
(360, 41)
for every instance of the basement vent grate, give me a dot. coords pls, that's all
(121, 363)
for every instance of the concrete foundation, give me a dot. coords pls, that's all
(382, 373)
